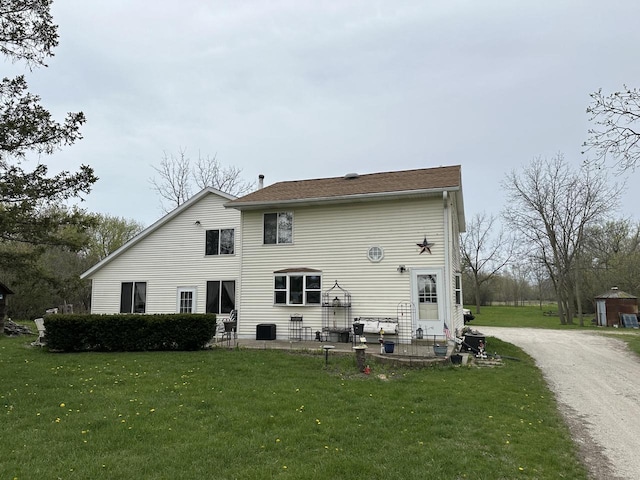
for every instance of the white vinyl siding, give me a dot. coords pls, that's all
(456, 268)
(172, 256)
(335, 239)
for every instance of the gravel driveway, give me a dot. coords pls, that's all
(596, 380)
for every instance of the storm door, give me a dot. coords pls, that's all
(427, 296)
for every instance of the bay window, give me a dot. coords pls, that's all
(297, 288)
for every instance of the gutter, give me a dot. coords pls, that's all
(361, 197)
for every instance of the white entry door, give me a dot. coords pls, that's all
(427, 296)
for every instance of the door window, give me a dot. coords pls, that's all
(427, 297)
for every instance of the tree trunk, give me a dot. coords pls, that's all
(561, 310)
(579, 298)
(477, 287)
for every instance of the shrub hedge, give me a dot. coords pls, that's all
(129, 332)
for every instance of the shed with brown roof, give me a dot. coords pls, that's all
(611, 304)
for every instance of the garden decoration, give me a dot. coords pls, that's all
(425, 246)
(481, 353)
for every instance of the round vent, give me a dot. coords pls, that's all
(375, 254)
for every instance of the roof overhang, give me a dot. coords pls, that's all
(365, 197)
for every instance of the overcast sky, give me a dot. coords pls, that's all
(298, 90)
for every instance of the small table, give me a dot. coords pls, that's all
(326, 349)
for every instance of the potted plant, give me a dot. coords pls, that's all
(440, 350)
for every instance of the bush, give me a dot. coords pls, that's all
(129, 332)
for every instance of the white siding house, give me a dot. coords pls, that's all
(390, 239)
(188, 261)
(293, 232)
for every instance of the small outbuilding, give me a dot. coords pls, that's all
(4, 293)
(611, 304)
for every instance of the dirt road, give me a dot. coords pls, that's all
(597, 383)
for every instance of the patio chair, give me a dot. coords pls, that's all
(230, 331)
(40, 326)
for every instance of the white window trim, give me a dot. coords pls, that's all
(457, 289)
(277, 227)
(194, 290)
(133, 295)
(287, 289)
(219, 254)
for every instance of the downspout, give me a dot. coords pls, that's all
(447, 264)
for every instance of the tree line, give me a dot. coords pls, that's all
(570, 245)
(564, 242)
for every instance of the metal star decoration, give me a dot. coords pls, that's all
(425, 246)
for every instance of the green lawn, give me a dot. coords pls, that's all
(545, 317)
(256, 414)
(632, 338)
(526, 316)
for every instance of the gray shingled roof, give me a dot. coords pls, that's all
(615, 293)
(351, 187)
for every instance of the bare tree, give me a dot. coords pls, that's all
(616, 134)
(208, 172)
(173, 184)
(485, 252)
(551, 205)
(177, 176)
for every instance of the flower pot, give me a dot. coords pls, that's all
(440, 350)
(389, 346)
(456, 359)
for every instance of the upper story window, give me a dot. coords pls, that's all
(278, 228)
(220, 242)
(133, 297)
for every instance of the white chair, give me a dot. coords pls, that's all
(40, 326)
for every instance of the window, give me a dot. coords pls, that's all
(427, 289)
(278, 228)
(133, 297)
(458, 289)
(186, 300)
(220, 242)
(221, 296)
(375, 254)
(297, 289)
